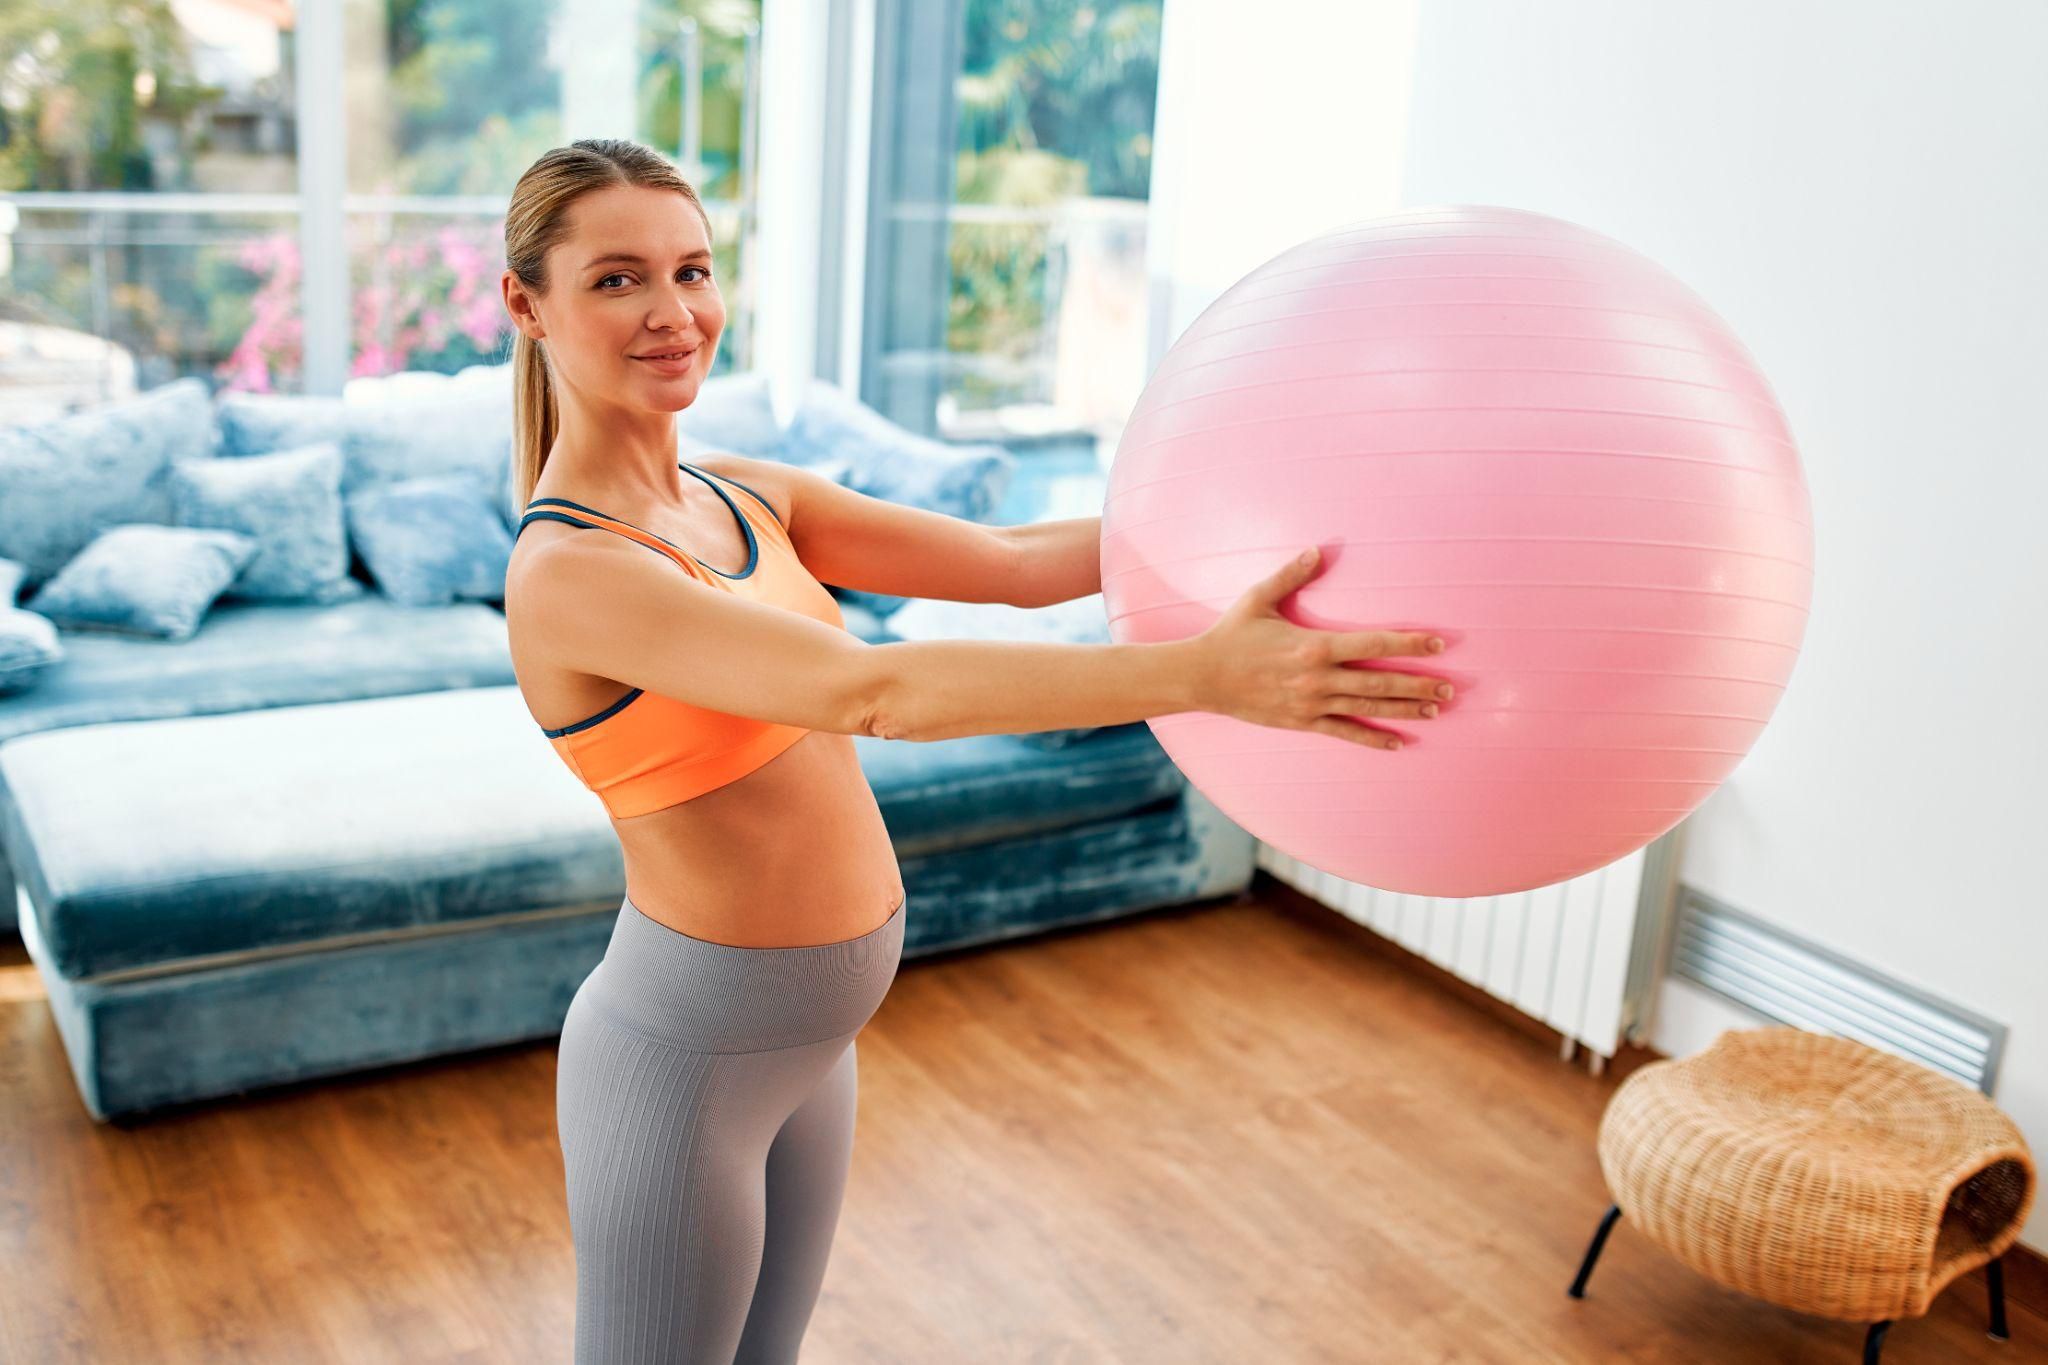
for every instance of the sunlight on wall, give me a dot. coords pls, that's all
(1269, 133)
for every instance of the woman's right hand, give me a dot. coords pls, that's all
(1261, 667)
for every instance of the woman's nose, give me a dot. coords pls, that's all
(671, 310)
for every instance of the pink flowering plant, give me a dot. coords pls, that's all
(423, 301)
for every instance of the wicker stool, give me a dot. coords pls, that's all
(1816, 1173)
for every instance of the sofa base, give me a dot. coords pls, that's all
(137, 1045)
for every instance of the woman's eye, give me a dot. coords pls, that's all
(620, 275)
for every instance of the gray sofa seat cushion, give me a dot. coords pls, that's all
(150, 843)
(258, 654)
(144, 845)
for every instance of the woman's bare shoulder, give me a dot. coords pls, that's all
(555, 566)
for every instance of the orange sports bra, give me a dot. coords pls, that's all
(645, 751)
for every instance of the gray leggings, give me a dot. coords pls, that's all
(704, 1097)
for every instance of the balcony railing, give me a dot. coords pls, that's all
(157, 307)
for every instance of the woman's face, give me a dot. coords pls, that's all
(631, 283)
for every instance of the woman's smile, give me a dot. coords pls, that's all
(669, 362)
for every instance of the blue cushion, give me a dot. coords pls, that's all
(841, 438)
(1077, 622)
(145, 579)
(407, 386)
(398, 427)
(481, 392)
(418, 423)
(408, 815)
(290, 501)
(249, 655)
(431, 541)
(63, 482)
(12, 574)
(884, 460)
(296, 824)
(28, 646)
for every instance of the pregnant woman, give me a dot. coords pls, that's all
(693, 672)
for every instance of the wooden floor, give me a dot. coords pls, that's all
(1221, 1133)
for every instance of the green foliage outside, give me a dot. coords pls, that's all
(71, 109)
(1055, 99)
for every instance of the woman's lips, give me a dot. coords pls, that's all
(676, 366)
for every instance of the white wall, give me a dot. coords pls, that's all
(1860, 190)
(1251, 152)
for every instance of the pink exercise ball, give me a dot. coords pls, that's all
(1518, 434)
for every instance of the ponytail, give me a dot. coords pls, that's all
(533, 417)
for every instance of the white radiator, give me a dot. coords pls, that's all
(1580, 956)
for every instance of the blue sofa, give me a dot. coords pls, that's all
(316, 838)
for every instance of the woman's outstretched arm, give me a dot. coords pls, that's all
(607, 608)
(942, 689)
(1055, 561)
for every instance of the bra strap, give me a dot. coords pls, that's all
(750, 492)
(652, 541)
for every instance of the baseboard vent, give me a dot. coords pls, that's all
(1787, 979)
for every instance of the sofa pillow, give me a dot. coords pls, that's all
(485, 390)
(482, 389)
(1077, 622)
(425, 426)
(885, 460)
(64, 481)
(290, 501)
(12, 574)
(838, 436)
(144, 579)
(28, 645)
(411, 384)
(431, 541)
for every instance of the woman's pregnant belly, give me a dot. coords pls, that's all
(794, 853)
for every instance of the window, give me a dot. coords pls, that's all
(148, 158)
(160, 187)
(1006, 242)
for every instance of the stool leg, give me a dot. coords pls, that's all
(1873, 1344)
(1578, 1289)
(1994, 1272)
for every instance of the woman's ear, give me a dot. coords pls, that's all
(519, 304)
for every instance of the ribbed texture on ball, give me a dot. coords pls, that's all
(1523, 436)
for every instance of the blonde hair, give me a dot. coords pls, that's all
(535, 222)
